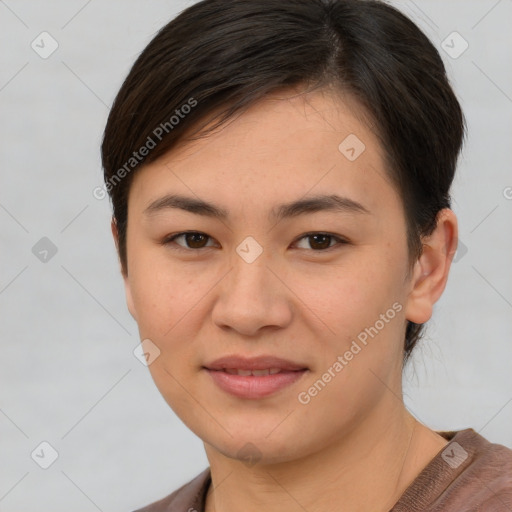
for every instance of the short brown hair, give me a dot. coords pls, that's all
(229, 54)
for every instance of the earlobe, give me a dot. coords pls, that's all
(432, 268)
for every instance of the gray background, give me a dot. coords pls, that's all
(67, 369)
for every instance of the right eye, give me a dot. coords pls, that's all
(193, 240)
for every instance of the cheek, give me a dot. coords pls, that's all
(350, 295)
(362, 315)
(162, 295)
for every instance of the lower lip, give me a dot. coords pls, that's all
(251, 386)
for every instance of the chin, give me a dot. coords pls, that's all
(257, 448)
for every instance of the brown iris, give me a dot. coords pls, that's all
(194, 240)
(322, 245)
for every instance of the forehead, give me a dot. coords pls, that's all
(278, 150)
(283, 116)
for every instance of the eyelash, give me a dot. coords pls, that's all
(170, 239)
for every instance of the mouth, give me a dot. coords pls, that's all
(254, 373)
(254, 378)
(264, 363)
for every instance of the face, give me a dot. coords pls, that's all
(320, 284)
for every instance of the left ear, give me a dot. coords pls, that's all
(431, 270)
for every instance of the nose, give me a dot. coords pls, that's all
(252, 297)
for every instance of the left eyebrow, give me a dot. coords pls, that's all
(312, 204)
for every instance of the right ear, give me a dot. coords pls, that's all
(127, 288)
(115, 235)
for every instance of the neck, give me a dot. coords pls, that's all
(368, 469)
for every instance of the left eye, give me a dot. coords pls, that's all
(322, 241)
(197, 240)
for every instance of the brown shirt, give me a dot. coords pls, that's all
(470, 474)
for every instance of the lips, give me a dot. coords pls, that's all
(242, 365)
(255, 373)
(254, 378)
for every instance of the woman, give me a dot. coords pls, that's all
(280, 177)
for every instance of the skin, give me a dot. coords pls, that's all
(354, 443)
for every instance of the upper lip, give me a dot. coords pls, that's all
(254, 363)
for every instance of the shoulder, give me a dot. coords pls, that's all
(188, 498)
(470, 473)
(487, 476)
